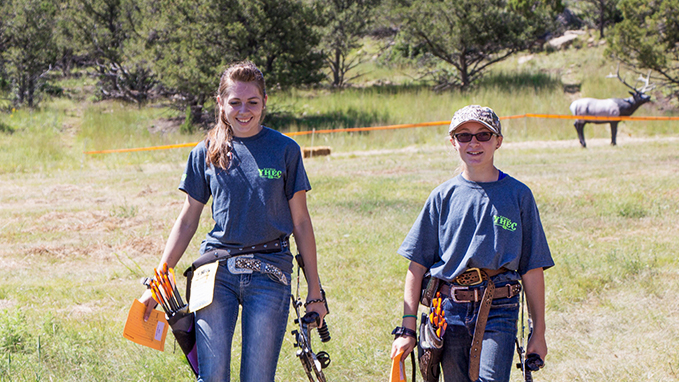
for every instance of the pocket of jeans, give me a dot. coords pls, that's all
(509, 303)
(503, 304)
(276, 279)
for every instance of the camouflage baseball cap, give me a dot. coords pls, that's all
(481, 114)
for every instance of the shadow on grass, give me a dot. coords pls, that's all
(283, 118)
(515, 81)
(349, 118)
(7, 129)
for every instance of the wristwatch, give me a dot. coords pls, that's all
(401, 331)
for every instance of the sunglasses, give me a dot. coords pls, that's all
(483, 136)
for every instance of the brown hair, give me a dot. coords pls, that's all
(219, 138)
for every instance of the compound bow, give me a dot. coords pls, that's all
(313, 363)
(531, 362)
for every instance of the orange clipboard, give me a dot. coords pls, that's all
(398, 370)
(149, 333)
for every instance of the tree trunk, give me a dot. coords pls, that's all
(464, 74)
(602, 14)
(196, 107)
(22, 88)
(196, 114)
(336, 78)
(31, 90)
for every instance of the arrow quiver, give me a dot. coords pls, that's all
(430, 343)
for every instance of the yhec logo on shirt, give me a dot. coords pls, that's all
(504, 222)
(270, 173)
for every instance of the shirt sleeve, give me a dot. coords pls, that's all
(535, 251)
(421, 245)
(296, 176)
(195, 182)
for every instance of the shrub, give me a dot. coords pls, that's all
(13, 332)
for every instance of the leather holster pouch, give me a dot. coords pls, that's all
(429, 349)
(430, 285)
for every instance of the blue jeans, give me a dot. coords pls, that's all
(266, 304)
(497, 351)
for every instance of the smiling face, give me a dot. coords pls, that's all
(477, 157)
(243, 105)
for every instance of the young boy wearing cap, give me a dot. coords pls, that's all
(479, 233)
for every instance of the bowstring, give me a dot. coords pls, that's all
(523, 332)
(297, 293)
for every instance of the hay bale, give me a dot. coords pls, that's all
(318, 151)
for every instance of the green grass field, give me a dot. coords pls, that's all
(77, 232)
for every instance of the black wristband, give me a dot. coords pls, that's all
(401, 331)
(314, 301)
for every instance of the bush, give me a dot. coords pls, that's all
(187, 127)
(14, 334)
(7, 129)
(53, 90)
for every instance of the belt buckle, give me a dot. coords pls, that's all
(236, 270)
(478, 271)
(454, 288)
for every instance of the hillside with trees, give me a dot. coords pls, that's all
(139, 50)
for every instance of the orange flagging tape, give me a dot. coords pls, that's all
(403, 126)
(390, 127)
(294, 133)
(602, 118)
(143, 148)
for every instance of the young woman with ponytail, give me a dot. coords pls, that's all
(256, 178)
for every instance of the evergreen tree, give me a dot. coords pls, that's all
(346, 22)
(29, 48)
(108, 32)
(648, 38)
(471, 35)
(601, 13)
(282, 41)
(192, 41)
(4, 45)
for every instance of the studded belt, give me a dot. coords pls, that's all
(243, 264)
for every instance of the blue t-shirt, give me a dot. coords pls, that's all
(250, 199)
(467, 224)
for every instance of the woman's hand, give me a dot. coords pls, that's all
(404, 344)
(318, 307)
(147, 299)
(411, 300)
(538, 345)
(534, 284)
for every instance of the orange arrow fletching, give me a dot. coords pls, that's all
(153, 293)
(173, 279)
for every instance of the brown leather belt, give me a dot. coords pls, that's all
(463, 293)
(230, 251)
(474, 276)
(467, 294)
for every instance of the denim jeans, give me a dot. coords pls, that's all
(497, 352)
(266, 304)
